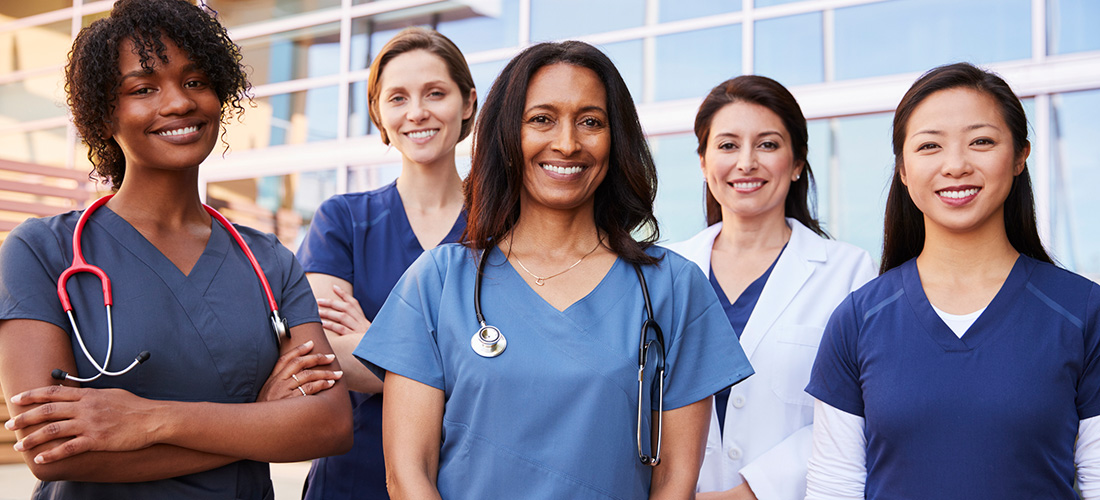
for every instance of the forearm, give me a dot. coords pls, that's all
(412, 428)
(356, 375)
(684, 442)
(149, 464)
(780, 472)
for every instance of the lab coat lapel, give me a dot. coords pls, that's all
(791, 272)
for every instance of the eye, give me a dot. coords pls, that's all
(397, 99)
(142, 91)
(983, 141)
(591, 122)
(769, 145)
(439, 94)
(928, 146)
(195, 84)
(539, 119)
(727, 146)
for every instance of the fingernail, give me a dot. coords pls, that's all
(18, 445)
(39, 460)
(18, 398)
(308, 344)
(330, 357)
(10, 424)
(331, 383)
(339, 373)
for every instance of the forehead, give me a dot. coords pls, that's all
(414, 67)
(746, 118)
(955, 108)
(129, 60)
(566, 84)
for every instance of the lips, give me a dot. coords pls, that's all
(958, 195)
(562, 170)
(422, 134)
(747, 185)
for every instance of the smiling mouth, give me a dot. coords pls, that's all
(747, 185)
(422, 134)
(561, 170)
(179, 131)
(958, 194)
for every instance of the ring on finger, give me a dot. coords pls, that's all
(303, 391)
(293, 376)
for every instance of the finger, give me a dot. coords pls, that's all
(65, 450)
(49, 412)
(47, 433)
(302, 363)
(47, 394)
(337, 328)
(317, 386)
(307, 376)
(285, 361)
(349, 298)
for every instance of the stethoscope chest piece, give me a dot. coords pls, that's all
(488, 342)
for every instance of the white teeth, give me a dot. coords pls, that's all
(958, 194)
(561, 170)
(180, 131)
(747, 185)
(422, 134)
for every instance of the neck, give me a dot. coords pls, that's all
(430, 187)
(966, 254)
(749, 234)
(554, 233)
(169, 199)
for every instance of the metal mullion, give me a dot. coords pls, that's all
(747, 42)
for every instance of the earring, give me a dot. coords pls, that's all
(797, 176)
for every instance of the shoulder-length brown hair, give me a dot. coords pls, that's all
(903, 231)
(623, 201)
(770, 94)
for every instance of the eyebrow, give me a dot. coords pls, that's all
(137, 73)
(762, 134)
(551, 107)
(967, 129)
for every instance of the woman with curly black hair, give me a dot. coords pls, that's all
(149, 87)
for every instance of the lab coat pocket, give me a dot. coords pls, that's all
(795, 350)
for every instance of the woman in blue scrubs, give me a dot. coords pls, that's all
(220, 395)
(422, 100)
(561, 179)
(778, 278)
(971, 367)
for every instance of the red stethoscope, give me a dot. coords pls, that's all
(279, 326)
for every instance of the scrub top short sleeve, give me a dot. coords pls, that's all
(835, 374)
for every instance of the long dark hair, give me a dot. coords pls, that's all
(903, 234)
(623, 201)
(770, 94)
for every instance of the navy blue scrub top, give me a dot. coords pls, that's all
(738, 313)
(365, 239)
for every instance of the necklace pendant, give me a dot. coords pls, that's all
(538, 281)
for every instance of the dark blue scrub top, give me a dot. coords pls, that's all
(366, 240)
(738, 313)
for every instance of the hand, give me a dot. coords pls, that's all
(342, 315)
(295, 374)
(86, 419)
(739, 492)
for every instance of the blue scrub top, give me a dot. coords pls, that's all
(993, 414)
(554, 416)
(366, 240)
(738, 313)
(208, 332)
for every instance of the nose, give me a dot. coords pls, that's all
(176, 101)
(566, 140)
(417, 111)
(746, 159)
(956, 163)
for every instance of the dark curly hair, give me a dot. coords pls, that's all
(92, 75)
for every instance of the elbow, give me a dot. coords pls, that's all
(57, 471)
(337, 433)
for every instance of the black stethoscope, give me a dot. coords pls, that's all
(489, 342)
(279, 326)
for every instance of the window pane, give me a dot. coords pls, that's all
(44, 147)
(790, 49)
(916, 35)
(478, 33)
(281, 204)
(358, 115)
(561, 19)
(32, 99)
(36, 47)
(16, 10)
(675, 10)
(627, 57)
(864, 162)
(1075, 170)
(769, 3)
(819, 159)
(683, 70)
(1073, 25)
(369, 177)
(303, 53)
(680, 204)
(484, 75)
(294, 118)
(237, 12)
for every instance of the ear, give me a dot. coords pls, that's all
(796, 172)
(1021, 159)
(469, 110)
(901, 175)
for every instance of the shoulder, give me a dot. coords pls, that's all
(360, 203)
(265, 246)
(1060, 289)
(49, 235)
(880, 292)
(697, 248)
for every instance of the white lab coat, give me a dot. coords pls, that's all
(769, 417)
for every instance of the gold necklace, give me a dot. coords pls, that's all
(541, 280)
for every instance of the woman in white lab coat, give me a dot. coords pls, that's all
(778, 277)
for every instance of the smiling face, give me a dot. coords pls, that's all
(958, 160)
(164, 117)
(421, 107)
(749, 163)
(566, 138)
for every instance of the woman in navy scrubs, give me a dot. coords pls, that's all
(422, 99)
(778, 278)
(971, 367)
(220, 395)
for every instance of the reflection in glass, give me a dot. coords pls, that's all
(308, 52)
(32, 99)
(1072, 26)
(627, 57)
(680, 204)
(690, 64)
(238, 12)
(915, 35)
(562, 19)
(484, 75)
(1075, 173)
(44, 147)
(294, 118)
(790, 49)
(371, 177)
(478, 33)
(675, 10)
(281, 204)
(35, 47)
(819, 156)
(865, 164)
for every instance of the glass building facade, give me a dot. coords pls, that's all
(848, 62)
